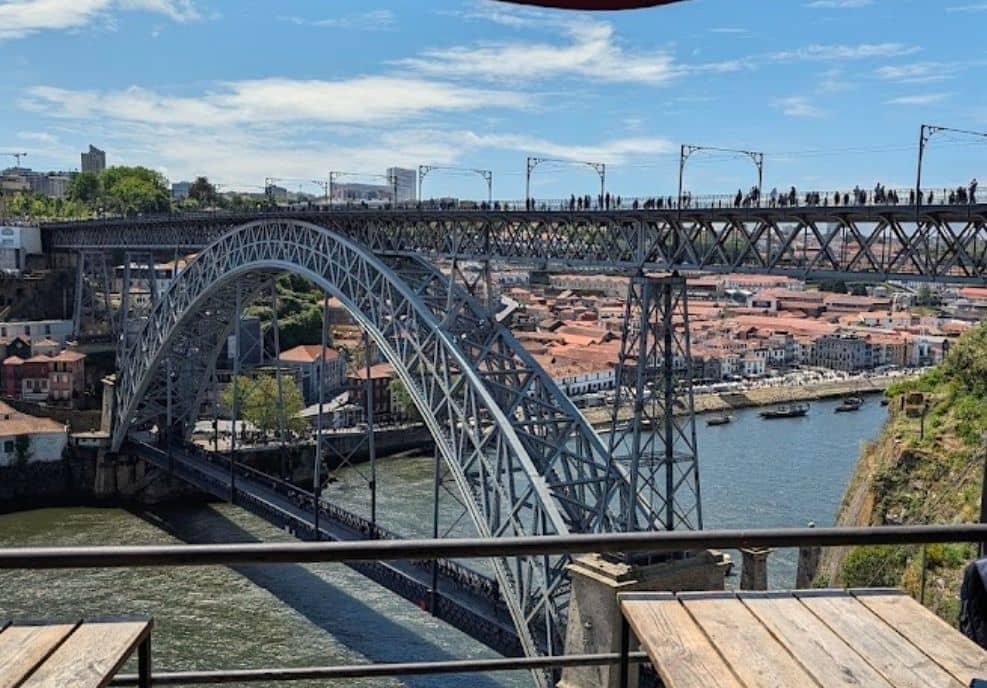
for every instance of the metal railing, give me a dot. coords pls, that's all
(33, 558)
(843, 198)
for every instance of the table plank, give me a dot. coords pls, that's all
(680, 652)
(23, 648)
(747, 646)
(949, 648)
(899, 660)
(823, 654)
(90, 656)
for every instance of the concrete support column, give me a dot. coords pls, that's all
(754, 572)
(594, 616)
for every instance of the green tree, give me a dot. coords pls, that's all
(401, 398)
(202, 191)
(133, 190)
(260, 405)
(85, 188)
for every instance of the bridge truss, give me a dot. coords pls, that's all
(934, 243)
(524, 459)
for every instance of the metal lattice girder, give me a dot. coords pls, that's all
(524, 458)
(93, 312)
(942, 243)
(654, 378)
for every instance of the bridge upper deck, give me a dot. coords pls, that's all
(876, 242)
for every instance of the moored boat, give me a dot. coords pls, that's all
(786, 411)
(850, 404)
(719, 420)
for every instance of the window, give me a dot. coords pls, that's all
(27, 330)
(47, 329)
(8, 447)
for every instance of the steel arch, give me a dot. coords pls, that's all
(524, 458)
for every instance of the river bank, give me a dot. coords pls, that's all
(766, 396)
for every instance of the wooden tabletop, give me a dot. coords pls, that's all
(874, 638)
(67, 655)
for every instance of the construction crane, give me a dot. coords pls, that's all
(16, 156)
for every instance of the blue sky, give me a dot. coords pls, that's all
(833, 91)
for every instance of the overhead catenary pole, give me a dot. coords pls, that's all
(486, 175)
(533, 162)
(687, 150)
(925, 133)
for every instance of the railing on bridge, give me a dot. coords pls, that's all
(36, 558)
(846, 198)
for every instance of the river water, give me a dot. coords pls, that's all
(755, 473)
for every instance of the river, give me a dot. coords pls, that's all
(755, 473)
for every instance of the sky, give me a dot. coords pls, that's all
(831, 91)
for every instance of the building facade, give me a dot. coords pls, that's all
(405, 181)
(94, 160)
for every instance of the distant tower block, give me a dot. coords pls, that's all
(656, 445)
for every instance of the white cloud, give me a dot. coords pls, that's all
(860, 51)
(373, 20)
(919, 99)
(20, 18)
(266, 101)
(727, 29)
(923, 72)
(838, 4)
(591, 51)
(976, 7)
(798, 106)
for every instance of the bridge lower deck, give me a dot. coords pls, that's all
(463, 598)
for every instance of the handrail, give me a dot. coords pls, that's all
(389, 550)
(381, 670)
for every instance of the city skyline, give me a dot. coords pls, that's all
(485, 84)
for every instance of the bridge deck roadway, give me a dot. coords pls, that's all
(942, 243)
(458, 602)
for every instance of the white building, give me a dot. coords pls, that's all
(406, 181)
(28, 438)
(16, 244)
(587, 383)
(33, 331)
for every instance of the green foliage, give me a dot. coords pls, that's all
(259, 403)
(202, 191)
(874, 566)
(133, 190)
(85, 188)
(402, 399)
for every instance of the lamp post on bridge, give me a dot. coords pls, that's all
(687, 150)
(533, 162)
(925, 133)
(487, 175)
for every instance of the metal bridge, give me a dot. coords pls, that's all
(524, 460)
(866, 243)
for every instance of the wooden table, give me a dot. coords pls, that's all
(84, 654)
(823, 638)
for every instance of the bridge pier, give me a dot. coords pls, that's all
(594, 617)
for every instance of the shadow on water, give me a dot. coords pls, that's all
(370, 633)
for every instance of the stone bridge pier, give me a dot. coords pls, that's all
(594, 616)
